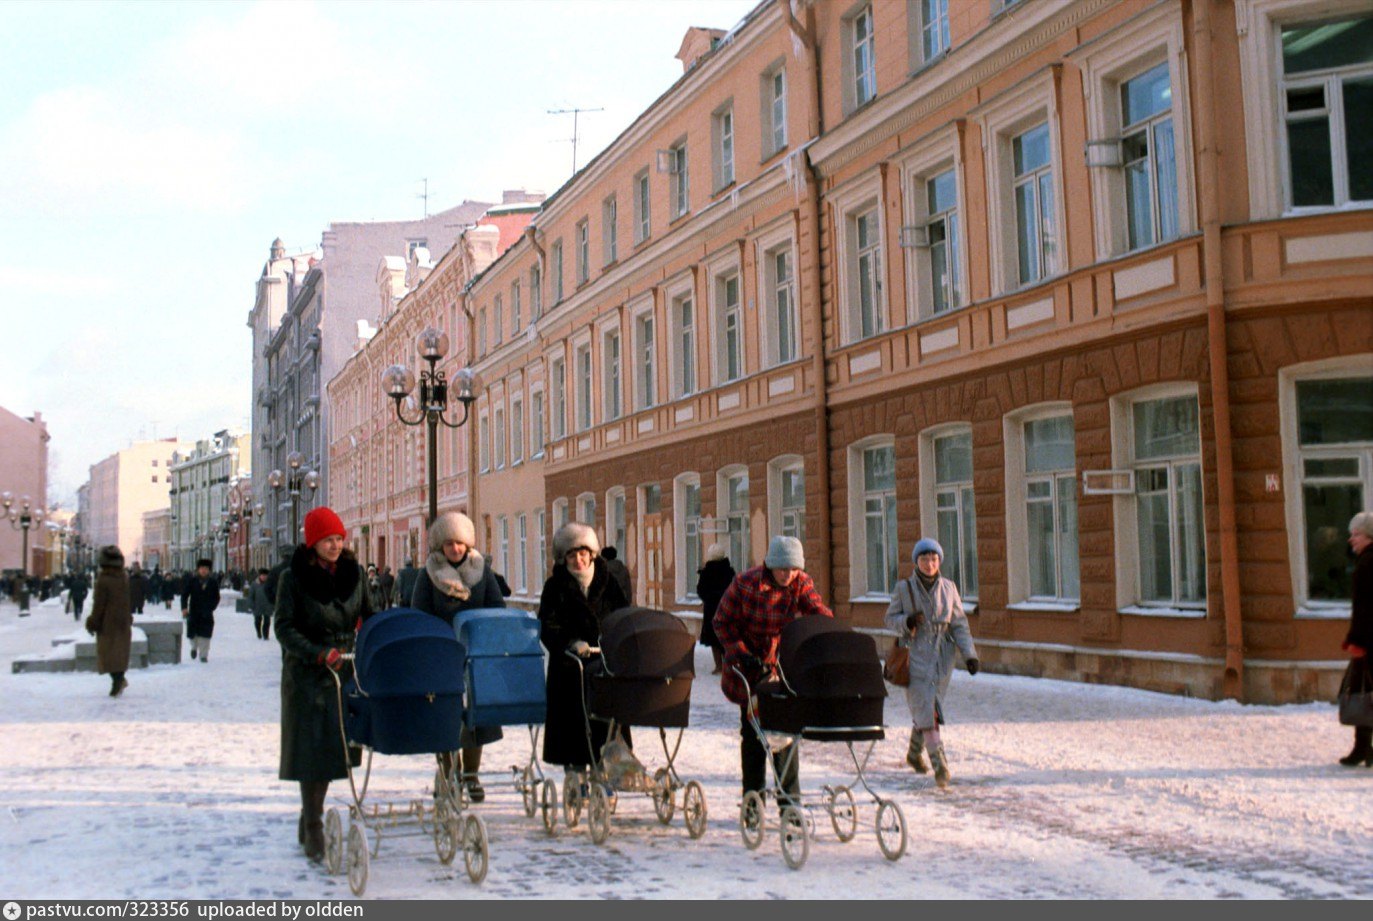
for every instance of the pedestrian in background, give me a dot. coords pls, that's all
(405, 582)
(711, 581)
(927, 615)
(78, 587)
(138, 585)
(456, 577)
(199, 599)
(261, 605)
(321, 600)
(749, 621)
(387, 581)
(111, 620)
(619, 571)
(1358, 642)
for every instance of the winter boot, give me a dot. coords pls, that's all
(117, 684)
(312, 795)
(1363, 748)
(940, 763)
(471, 763)
(915, 754)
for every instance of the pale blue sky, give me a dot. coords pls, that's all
(150, 152)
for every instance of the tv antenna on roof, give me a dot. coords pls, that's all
(425, 195)
(575, 113)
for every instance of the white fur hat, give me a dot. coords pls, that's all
(572, 535)
(717, 551)
(452, 526)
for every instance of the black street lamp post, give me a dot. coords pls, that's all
(293, 482)
(21, 519)
(398, 381)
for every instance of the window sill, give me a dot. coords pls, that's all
(680, 217)
(1058, 607)
(1148, 611)
(1323, 610)
(772, 156)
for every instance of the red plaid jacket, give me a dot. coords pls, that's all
(751, 616)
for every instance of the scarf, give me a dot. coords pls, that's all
(455, 581)
(927, 581)
(584, 577)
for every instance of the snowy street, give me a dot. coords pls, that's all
(1059, 791)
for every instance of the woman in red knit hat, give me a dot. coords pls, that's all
(321, 599)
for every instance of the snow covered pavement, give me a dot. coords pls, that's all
(1060, 791)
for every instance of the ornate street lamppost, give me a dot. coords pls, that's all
(293, 482)
(398, 381)
(21, 519)
(241, 511)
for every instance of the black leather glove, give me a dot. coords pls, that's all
(913, 621)
(748, 663)
(974, 666)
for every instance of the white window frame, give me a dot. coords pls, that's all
(541, 542)
(1293, 478)
(481, 331)
(583, 238)
(498, 437)
(616, 520)
(1125, 518)
(685, 344)
(503, 529)
(586, 509)
(535, 293)
(679, 180)
(727, 519)
(516, 430)
(645, 363)
(557, 401)
(516, 309)
(522, 539)
(561, 512)
(921, 27)
(726, 319)
(1259, 26)
(862, 197)
(483, 443)
(1126, 52)
(722, 145)
(781, 240)
(643, 206)
(610, 231)
(859, 64)
(777, 512)
(772, 121)
(557, 269)
(684, 531)
(938, 155)
(612, 371)
(859, 588)
(498, 320)
(538, 424)
(584, 386)
(1025, 106)
(1017, 509)
(929, 503)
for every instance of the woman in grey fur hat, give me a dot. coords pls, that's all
(456, 577)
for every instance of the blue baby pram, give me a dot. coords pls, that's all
(405, 698)
(503, 685)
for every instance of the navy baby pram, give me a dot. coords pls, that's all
(406, 696)
(505, 670)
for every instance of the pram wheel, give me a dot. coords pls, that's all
(694, 809)
(357, 858)
(664, 797)
(795, 840)
(751, 822)
(446, 838)
(529, 791)
(843, 813)
(891, 830)
(572, 800)
(548, 803)
(476, 853)
(333, 841)
(598, 814)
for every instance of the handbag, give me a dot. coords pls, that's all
(897, 667)
(1356, 694)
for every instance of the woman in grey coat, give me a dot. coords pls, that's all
(457, 578)
(927, 615)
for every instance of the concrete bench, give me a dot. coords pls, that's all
(76, 653)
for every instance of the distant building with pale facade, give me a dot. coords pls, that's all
(157, 532)
(123, 486)
(201, 475)
(23, 472)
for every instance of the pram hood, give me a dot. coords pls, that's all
(821, 658)
(498, 632)
(404, 652)
(647, 643)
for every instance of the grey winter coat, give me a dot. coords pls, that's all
(260, 600)
(940, 634)
(316, 611)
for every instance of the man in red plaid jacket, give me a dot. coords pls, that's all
(748, 622)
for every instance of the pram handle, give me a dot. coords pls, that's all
(590, 651)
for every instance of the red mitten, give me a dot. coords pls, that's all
(332, 658)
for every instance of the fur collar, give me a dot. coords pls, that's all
(316, 581)
(455, 581)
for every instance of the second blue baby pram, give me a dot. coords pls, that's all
(405, 698)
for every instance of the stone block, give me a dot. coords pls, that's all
(164, 639)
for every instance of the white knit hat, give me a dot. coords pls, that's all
(717, 551)
(452, 526)
(785, 553)
(572, 535)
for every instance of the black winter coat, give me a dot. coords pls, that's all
(565, 616)
(713, 578)
(316, 611)
(200, 597)
(138, 585)
(1361, 603)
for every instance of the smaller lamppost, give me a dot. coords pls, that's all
(21, 519)
(241, 511)
(293, 482)
(398, 381)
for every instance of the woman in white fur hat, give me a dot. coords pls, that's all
(456, 577)
(578, 594)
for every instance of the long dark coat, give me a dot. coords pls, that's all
(1361, 603)
(200, 597)
(316, 611)
(111, 620)
(565, 616)
(79, 586)
(712, 580)
(137, 590)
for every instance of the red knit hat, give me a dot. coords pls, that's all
(321, 523)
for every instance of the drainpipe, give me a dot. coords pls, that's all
(804, 35)
(1208, 169)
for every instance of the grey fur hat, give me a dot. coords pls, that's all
(452, 526)
(785, 553)
(112, 556)
(572, 535)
